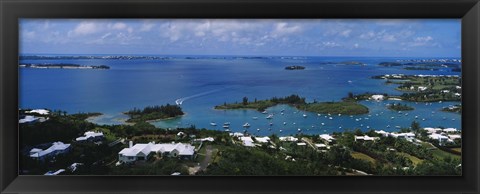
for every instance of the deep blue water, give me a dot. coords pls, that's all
(206, 82)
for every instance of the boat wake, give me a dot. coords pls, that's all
(181, 100)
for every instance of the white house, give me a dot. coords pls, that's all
(328, 138)
(90, 136)
(455, 136)
(383, 133)
(288, 138)
(449, 130)
(438, 137)
(402, 135)
(366, 138)
(39, 111)
(139, 152)
(377, 97)
(56, 149)
(432, 130)
(247, 141)
(262, 139)
(28, 119)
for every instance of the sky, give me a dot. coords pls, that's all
(250, 37)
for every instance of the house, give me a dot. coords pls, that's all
(91, 136)
(27, 119)
(301, 144)
(365, 138)
(247, 141)
(321, 146)
(377, 97)
(383, 133)
(210, 139)
(449, 130)
(328, 138)
(438, 137)
(262, 139)
(56, 149)
(402, 135)
(288, 138)
(431, 130)
(455, 136)
(139, 152)
(38, 111)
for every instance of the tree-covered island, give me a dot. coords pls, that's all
(399, 107)
(346, 107)
(151, 113)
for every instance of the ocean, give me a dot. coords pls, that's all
(203, 82)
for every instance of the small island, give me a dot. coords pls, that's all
(151, 113)
(346, 107)
(454, 108)
(399, 107)
(389, 64)
(63, 66)
(295, 67)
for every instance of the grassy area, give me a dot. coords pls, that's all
(457, 149)
(440, 154)
(348, 108)
(362, 156)
(414, 159)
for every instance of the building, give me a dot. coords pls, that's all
(383, 133)
(328, 138)
(247, 141)
(56, 149)
(365, 138)
(288, 138)
(91, 136)
(377, 97)
(450, 130)
(139, 152)
(262, 139)
(402, 135)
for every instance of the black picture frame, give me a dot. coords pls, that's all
(12, 10)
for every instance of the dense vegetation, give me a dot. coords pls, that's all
(261, 105)
(344, 107)
(426, 88)
(389, 64)
(154, 112)
(348, 108)
(456, 108)
(399, 107)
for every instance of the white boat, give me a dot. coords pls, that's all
(304, 115)
(258, 129)
(227, 130)
(226, 123)
(264, 112)
(299, 129)
(246, 125)
(284, 123)
(330, 118)
(319, 114)
(280, 131)
(281, 113)
(213, 124)
(254, 118)
(270, 124)
(323, 123)
(270, 116)
(339, 114)
(226, 126)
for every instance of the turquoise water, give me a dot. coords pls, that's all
(205, 82)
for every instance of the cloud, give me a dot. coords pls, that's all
(84, 28)
(283, 29)
(346, 33)
(331, 44)
(147, 26)
(422, 41)
(118, 26)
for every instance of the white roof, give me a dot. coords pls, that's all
(327, 137)
(247, 141)
(377, 97)
(288, 138)
(437, 136)
(366, 138)
(236, 134)
(38, 111)
(450, 130)
(56, 146)
(89, 134)
(301, 144)
(262, 139)
(320, 145)
(145, 149)
(210, 139)
(456, 136)
(27, 119)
